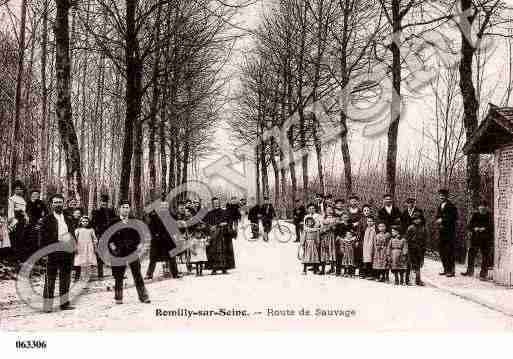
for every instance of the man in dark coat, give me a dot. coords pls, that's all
(480, 227)
(220, 249)
(233, 211)
(407, 215)
(267, 214)
(355, 217)
(298, 215)
(389, 213)
(161, 243)
(36, 209)
(54, 228)
(254, 217)
(100, 220)
(125, 242)
(446, 218)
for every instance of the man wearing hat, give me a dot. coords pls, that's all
(407, 215)
(389, 213)
(446, 218)
(480, 227)
(100, 221)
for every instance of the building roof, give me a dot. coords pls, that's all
(494, 132)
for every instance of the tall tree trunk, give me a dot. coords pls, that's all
(318, 152)
(292, 164)
(176, 162)
(16, 136)
(63, 106)
(172, 155)
(257, 172)
(153, 112)
(470, 104)
(346, 155)
(132, 93)
(283, 177)
(276, 174)
(44, 114)
(393, 130)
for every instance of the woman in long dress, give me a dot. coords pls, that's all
(220, 252)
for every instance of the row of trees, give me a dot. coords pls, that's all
(123, 96)
(347, 55)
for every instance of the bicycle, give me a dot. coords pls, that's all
(285, 233)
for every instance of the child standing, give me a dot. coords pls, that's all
(327, 248)
(4, 232)
(416, 236)
(398, 254)
(379, 260)
(198, 257)
(340, 233)
(86, 243)
(310, 244)
(369, 237)
(347, 250)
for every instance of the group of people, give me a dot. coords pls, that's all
(209, 241)
(333, 238)
(375, 243)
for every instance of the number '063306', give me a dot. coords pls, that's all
(30, 344)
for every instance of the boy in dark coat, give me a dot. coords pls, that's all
(416, 236)
(123, 243)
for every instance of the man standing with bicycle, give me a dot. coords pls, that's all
(267, 214)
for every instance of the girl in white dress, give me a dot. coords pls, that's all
(86, 244)
(198, 251)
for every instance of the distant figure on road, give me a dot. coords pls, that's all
(267, 214)
(253, 217)
(298, 215)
